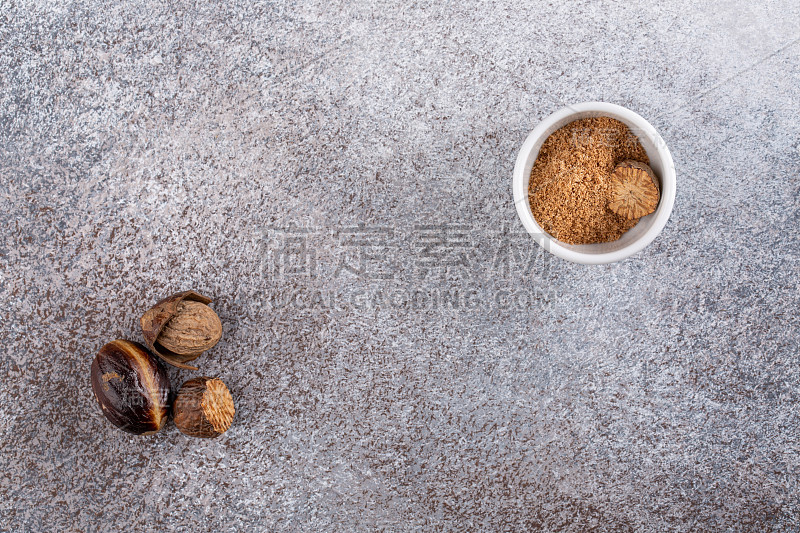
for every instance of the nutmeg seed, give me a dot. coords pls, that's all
(193, 330)
(132, 387)
(634, 190)
(204, 408)
(181, 327)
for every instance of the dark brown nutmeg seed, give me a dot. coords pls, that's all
(180, 328)
(132, 387)
(204, 408)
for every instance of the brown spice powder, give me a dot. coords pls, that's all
(570, 185)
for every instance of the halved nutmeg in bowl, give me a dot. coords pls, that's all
(594, 183)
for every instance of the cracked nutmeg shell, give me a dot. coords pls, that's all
(180, 328)
(132, 387)
(204, 408)
(634, 190)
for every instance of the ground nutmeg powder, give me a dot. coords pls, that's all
(570, 185)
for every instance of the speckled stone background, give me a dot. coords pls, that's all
(337, 175)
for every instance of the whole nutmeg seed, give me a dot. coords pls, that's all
(180, 328)
(194, 329)
(204, 408)
(132, 387)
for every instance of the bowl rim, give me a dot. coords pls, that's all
(551, 244)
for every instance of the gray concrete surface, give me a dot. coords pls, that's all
(297, 162)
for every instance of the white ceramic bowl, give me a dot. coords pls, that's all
(631, 241)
